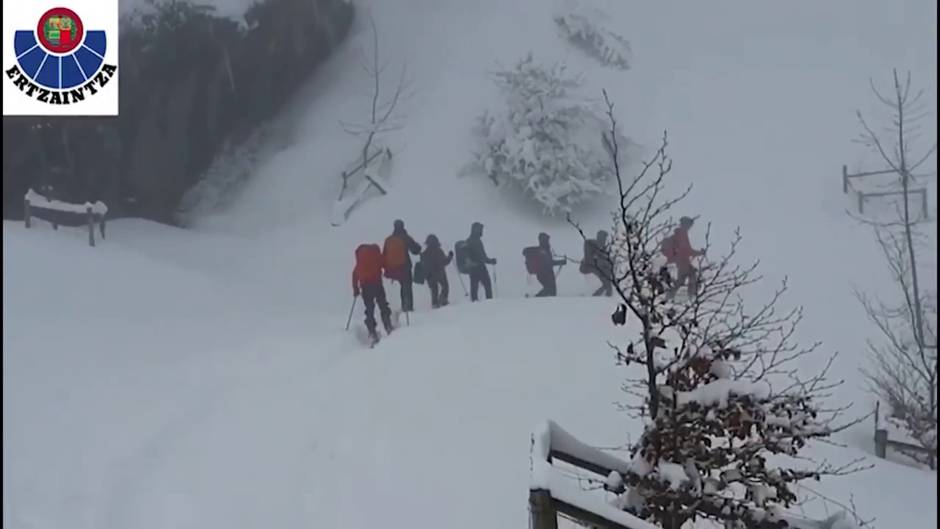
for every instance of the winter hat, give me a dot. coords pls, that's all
(399, 224)
(686, 221)
(432, 241)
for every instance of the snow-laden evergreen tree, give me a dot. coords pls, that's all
(547, 140)
(727, 413)
(585, 29)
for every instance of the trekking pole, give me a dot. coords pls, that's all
(351, 309)
(495, 283)
(459, 278)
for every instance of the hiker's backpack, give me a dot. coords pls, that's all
(668, 248)
(420, 273)
(369, 263)
(460, 255)
(534, 259)
(395, 253)
(587, 263)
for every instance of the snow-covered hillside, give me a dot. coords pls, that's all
(201, 378)
(138, 394)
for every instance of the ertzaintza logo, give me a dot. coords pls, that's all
(60, 59)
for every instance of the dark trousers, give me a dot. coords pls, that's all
(480, 276)
(686, 273)
(405, 280)
(372, 295)
(407, 295)
(607, 286)
(547, 280)
(439, 290)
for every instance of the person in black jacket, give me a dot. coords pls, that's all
(398, 267)
(435, 264)
(546, 271)
(476, 263)
(597, 262)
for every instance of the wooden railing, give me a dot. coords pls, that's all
(550, 495)
(882, 443)
(863, 195)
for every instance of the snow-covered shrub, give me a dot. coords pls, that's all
(584, 28)
(726, 414)
(547, 140)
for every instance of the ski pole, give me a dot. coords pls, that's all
(495, 283)
(351, 309)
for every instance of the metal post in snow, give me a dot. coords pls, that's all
(91, 226)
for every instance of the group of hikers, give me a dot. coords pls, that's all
(394, 260)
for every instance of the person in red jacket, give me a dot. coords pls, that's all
(367, 281)
(678, 251)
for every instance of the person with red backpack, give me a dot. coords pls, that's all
(540, 261)
(397, 262)
(678, 251)
(367, 281)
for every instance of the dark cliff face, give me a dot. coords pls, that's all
(191, 82)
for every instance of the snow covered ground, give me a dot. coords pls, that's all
(201, 378)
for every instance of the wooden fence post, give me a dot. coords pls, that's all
(541, 509)
(102, 223)
(881, 443)
(845, 179)
(91, 226)
(26, 212)
(861, 202)
(923, 203)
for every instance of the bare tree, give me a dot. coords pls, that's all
(903, 364)
(717, 383)
(381, 118)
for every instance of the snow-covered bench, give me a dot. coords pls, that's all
(57, 213)
(902, 443)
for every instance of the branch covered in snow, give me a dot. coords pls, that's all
(586, 30)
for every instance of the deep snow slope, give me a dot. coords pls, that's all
(759, 100)
(205, 407)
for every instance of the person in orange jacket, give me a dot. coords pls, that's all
(367, 281)
(678, 251)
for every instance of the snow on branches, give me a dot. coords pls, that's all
(726, 413)
(546, 142)
(584, 28)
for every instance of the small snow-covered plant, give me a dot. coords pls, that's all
(726, 413)
(547, 141)
(585, 30)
